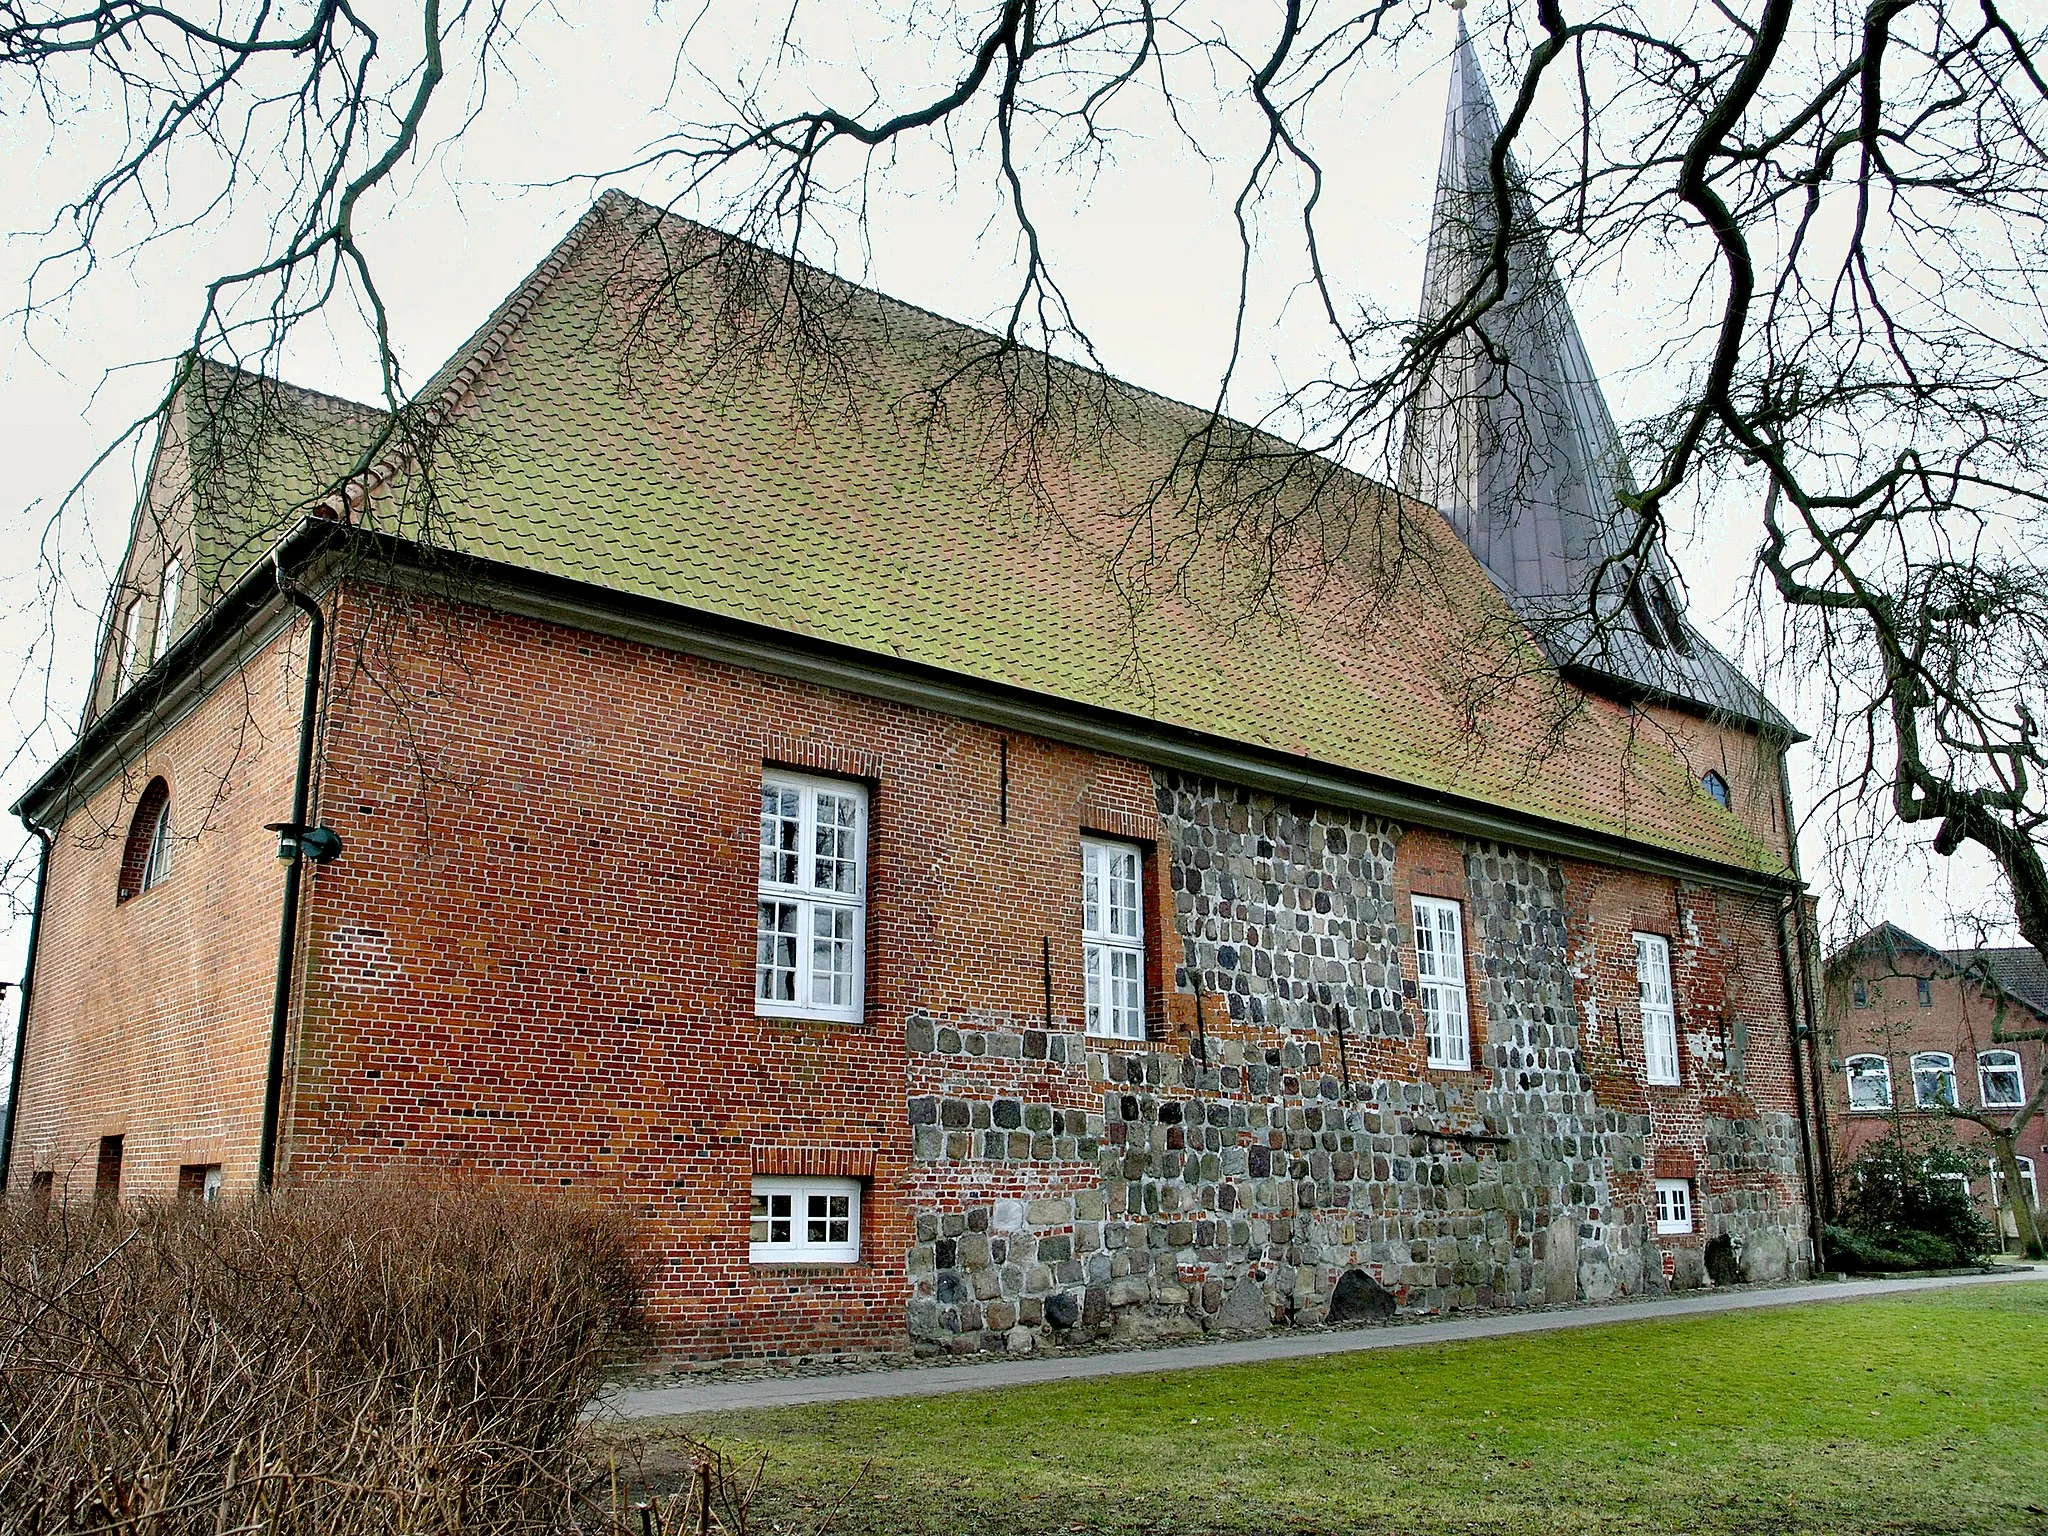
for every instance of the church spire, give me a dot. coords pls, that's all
(1511, 439)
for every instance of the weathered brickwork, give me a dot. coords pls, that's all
(152, 1014)
(535, 960)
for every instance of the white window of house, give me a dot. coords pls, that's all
(1934, 1080)
(2028, 1191)
(805, 1221)
(167, 603)
(2000, 1080)
(1870, 1082)
(129, 658)
(1660, 1018)
(809, 957)
(1674, 1206)
(156, 864)
(1113, 938)
(1440, 973)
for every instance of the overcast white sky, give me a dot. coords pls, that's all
(1147, 254)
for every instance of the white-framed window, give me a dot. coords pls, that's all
(2028, 1190)
(2000, 1081)
(1870, 1082)
(167, 602)
(129, 658)
(1440, 979)
(810, 942)
(1674, 1206)
(1717, 789)
(156, 864)
(805, 1221)
(1113, 938)
(1934, 1080)
(1660, 1018)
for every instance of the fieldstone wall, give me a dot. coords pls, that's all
(1271, 1167)
(1751, 1163)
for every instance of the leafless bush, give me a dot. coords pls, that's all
(354, 1359)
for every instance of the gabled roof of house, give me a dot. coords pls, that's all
(2017, 971)
(254, 446)
(611, 426)
(1512, 440)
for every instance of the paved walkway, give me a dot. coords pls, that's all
(717, 1396)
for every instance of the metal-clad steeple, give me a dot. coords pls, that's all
(1510, 438)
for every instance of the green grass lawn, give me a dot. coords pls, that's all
(1919, 1414)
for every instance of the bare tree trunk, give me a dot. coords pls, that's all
(2015, 1200)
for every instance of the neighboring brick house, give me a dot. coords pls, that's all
(795, 818)
(1910, 1028)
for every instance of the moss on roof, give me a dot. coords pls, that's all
(657, 414)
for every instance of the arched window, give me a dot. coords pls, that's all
(1934, 1080)
(146, 862)
(2000, 1080)
(1717, 787)
(1870, 1082)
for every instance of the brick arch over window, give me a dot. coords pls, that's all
(146, 859)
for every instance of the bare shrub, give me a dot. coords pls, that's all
(390, 1356)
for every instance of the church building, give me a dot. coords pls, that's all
(718, 761)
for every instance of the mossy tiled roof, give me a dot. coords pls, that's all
(255, 448)
(614, 426)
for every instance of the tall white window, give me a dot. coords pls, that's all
(809, 950)
(129, 657)
(1440, 977)
(1999, 1079)
(1870, 1082)
(1934, 1080)
(805, 1221)
(1113, 938)
(167, 603)
(156, 864)
(1660, 1019)
(2029, 1191)
(1674, 1206)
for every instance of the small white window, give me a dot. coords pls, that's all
(1113, 938)
(810, 952)
(1660, 1019)
(1934, 1080)
(1717, 788)
(2000, 1079)
(805, 1221)
(167, 603)
(1674, 1206)
(1440, 977)
(1870, 1082)
(156, 864)
(209, 1186)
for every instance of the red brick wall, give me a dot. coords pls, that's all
(1728, 994)
(151, 1017)
(1892, 1024)
(536, 957)
(535, 960)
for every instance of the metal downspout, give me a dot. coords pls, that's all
(28, 983)
(288, 916)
